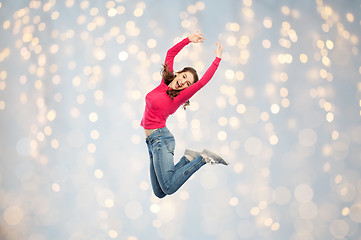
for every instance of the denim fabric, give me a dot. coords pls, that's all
(166, 177)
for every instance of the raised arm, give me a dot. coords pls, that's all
(196, 37)
(191, 90)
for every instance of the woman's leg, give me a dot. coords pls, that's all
(171, 178)
(183, 161)
(153, 177)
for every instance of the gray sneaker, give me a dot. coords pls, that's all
(192, 153)
(214, 158)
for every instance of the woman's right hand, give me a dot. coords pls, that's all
(219, 50)
(196, 37)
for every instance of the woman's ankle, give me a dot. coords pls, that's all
(189, 157)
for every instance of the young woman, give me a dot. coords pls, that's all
(175, 89)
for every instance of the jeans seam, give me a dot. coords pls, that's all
(194, 166)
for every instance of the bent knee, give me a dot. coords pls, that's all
(160, 194)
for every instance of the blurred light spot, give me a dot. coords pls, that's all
(275, 226)
(284, 92)
(94, 134)
(255, 211)
(268, 222)
(346, 192)
(253, 145)
(138, 12)
(123, 56)
(329, 44)
(154, 208)
(221, 102)
(136, 139)
(264, 116)
(222, 135)
(303, 58)
(13, 215)
(285, 102)
(112, 12)
(273, 139)
(247, 12)
(303, 193)
(345, 211)
(51, 115)
(99, 54)
(355, 212)
(92, 148)
(144, 186)
(156, 223)
(2, 105)
(98, 173)
(238, 168)
(234, 122)
(112, 233)
(222, 121)
(275, 108)
(151, 43)
(285, 10)
(93, 117)
(55, 187)
(329, 117)
(234, 27)
(184, 195)
(267, 22)
(339, 228)
(266, 43)
(105, 198)
(54, 144)
(350, 17)
(240, 75)
(233, 201)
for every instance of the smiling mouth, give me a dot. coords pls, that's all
(178, 84)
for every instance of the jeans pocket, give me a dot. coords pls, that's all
(156, 144)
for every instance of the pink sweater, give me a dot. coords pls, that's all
(158, 105)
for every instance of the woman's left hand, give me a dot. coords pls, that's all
(219, 50)
(196, 37)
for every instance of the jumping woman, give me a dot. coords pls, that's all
(175, 89)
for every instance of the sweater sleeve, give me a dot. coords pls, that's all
(172, 52)
(187, 93)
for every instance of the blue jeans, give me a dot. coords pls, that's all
(166, 177)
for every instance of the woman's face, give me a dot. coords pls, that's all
(182, 81)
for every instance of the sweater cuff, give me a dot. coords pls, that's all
(186, 40)
(217, 61)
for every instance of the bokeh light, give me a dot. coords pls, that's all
(284, 108)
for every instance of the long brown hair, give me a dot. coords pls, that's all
(168, 76)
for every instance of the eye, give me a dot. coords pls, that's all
(184, 76)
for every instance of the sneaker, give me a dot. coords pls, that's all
(214, 158)
(192, 153)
